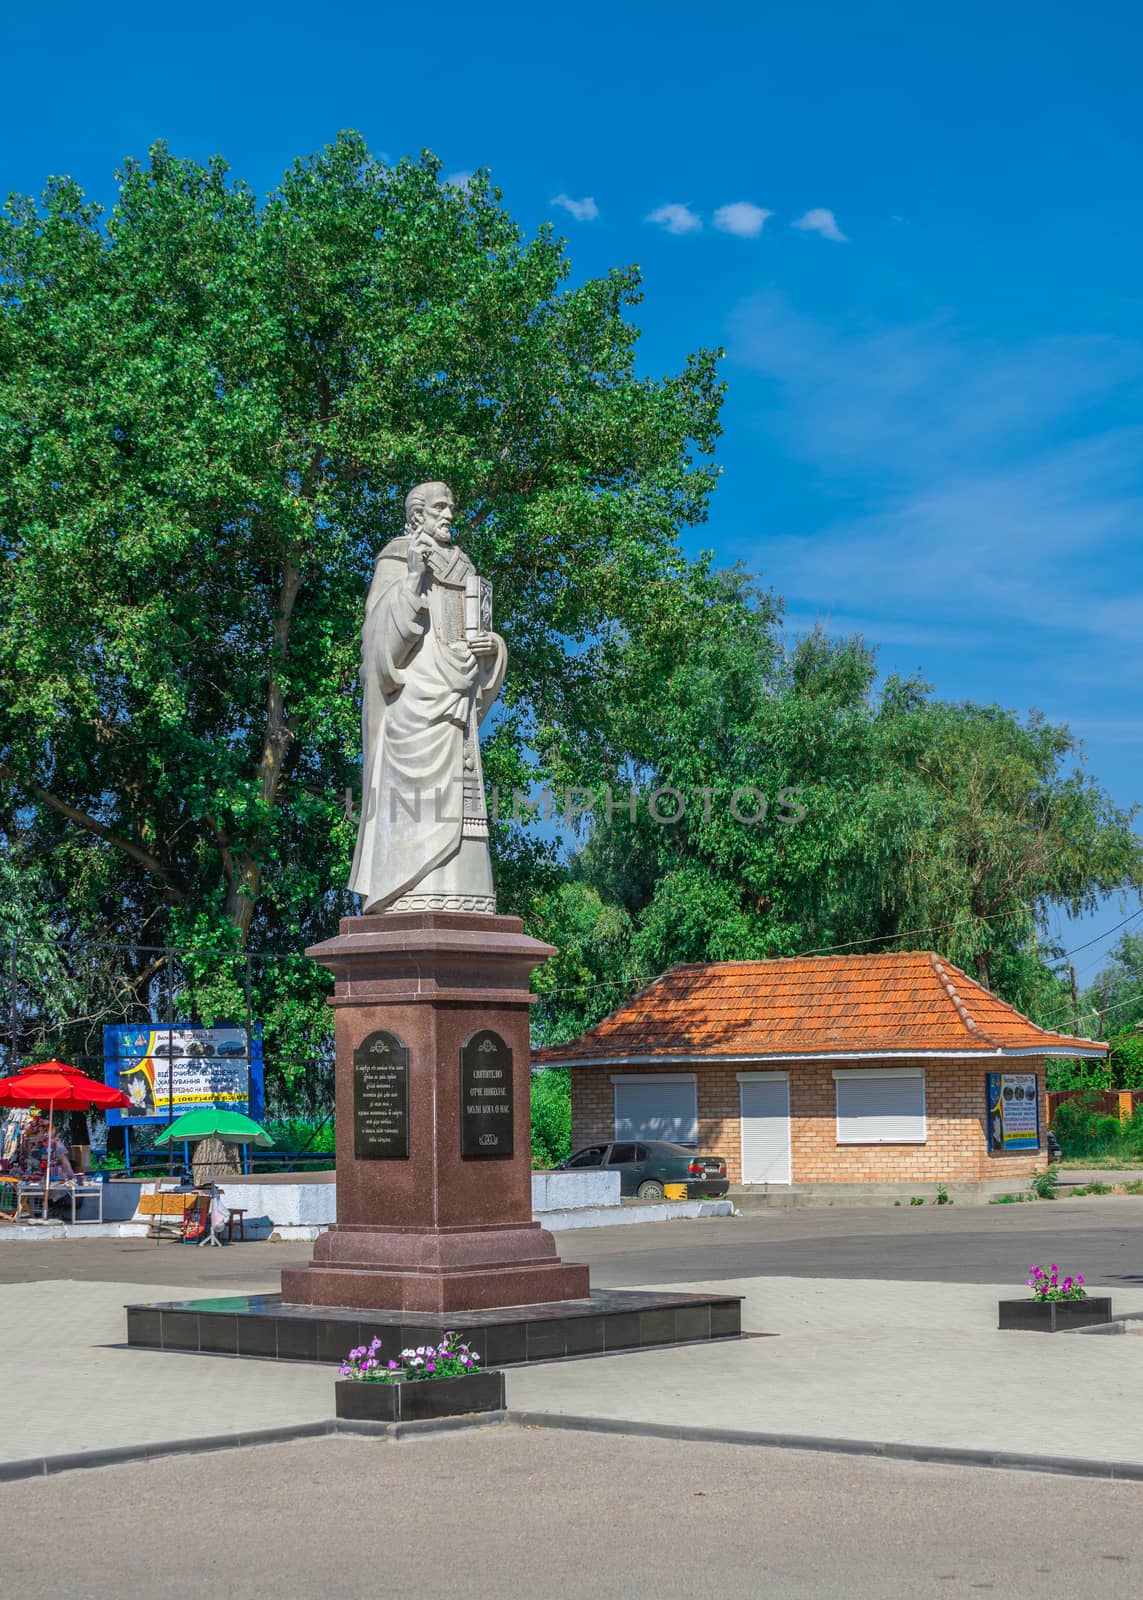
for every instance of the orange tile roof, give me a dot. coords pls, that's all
(903, 1001)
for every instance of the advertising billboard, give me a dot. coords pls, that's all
(1013, 1112)
(167, 1072)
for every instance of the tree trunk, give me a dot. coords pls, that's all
(214, 1161)
(244, 874)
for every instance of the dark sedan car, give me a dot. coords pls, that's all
(646, 1167)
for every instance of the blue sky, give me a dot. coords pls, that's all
(934, 421)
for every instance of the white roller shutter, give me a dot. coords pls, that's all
(764, 1108)
(880, 1106)
(656, 1105)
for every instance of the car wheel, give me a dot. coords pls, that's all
(651, 1190)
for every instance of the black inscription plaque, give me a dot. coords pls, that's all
(485, 1097)
(381, 1098)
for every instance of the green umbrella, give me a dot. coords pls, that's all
(231, 1127)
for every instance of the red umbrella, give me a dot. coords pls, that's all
(60, 1088)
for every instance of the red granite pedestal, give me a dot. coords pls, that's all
(434, 1229)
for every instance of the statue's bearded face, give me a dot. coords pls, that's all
(437, 509)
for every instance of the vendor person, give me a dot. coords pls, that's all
(34, 1155)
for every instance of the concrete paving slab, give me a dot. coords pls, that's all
(910, 1363)
(69, 1383)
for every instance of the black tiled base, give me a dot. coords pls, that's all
(607, 1321)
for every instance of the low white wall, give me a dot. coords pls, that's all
(288, 1204)
(309, 1205)
(567, 1191)
(649, 1211)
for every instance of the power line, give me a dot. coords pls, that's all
(1106, 934)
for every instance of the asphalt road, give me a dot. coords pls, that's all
(515, 1511)
(1102, 1236)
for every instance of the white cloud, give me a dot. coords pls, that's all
(584, 210)
(677, 219)
(819, 220)
(460, 180)
(744, 220)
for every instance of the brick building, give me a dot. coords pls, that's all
(894, 1068)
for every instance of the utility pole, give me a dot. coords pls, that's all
(1075, 998)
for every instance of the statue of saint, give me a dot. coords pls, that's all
(431, 667)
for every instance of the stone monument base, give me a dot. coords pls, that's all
(607, 1321)
(434, 1269)
(433, 1089)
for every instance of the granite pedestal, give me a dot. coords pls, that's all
(434, 1186)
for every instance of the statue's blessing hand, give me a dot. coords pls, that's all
(418, 557)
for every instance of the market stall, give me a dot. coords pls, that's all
(40, 1163)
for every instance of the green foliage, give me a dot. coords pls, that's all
(1044, 1185)
(1063, 1073)
(296, 1134)
(1126, 1060)
(1113, 1005)
(892, 818)
(590, 972)
(551, 1116)
(943, 1195)
(1084, 1131)
(210, 410)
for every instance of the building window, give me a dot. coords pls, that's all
(656, 1105)
(880, 1106)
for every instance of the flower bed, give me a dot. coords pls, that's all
(1056, 1305)
(431, 1381)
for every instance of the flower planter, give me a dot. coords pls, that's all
(1054, 1316)
(360, 1400)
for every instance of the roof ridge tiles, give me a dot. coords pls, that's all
(950, 989)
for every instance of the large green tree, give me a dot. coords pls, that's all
(891, 819)
(211, 406)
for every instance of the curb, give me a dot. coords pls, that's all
(119, 1455)
(947, 1455)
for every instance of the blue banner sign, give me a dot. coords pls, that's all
(167, 1072)
(1013, 1111)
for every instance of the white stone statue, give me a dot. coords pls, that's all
(431, 667)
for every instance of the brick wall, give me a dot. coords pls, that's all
(955, 1148)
